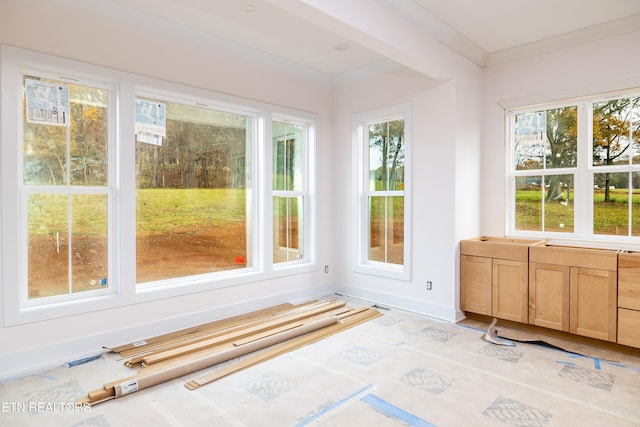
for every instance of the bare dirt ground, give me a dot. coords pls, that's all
(159, 256)
(166, 256)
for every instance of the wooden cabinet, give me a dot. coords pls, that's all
(493, 277)
(629, 299)
(590, 292)
(574, 290)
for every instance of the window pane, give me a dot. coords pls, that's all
(287, 228)
(528, 213)
(611, 204)
(48, 245)
(530, 140)
(558, 203)
(546, 139)
(635, 130)
(386, 229)
(615, 128)
(635, 204)
(64, 122)
(287, 156)
(386, 155)
(89, 241)
(192, 209)
(51, 246)
(562, 137)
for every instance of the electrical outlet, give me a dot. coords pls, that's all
(429, 285)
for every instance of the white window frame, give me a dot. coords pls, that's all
(308, 186)
(583, 175)
(68, 189)
(123, 289)
(361, 262)
(161, 95)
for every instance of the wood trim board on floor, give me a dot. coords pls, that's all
(261, 335)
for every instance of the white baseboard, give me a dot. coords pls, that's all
(441, 312)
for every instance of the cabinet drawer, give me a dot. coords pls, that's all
(629, 327)
(601, 259)
(629, 280)
(497, 247)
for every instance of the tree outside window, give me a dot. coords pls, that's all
(386, 191)
(66, 187)
(546, 147)
(191, 197)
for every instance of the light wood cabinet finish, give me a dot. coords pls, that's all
(584, 291)
(629, 298)
(574, 290)
(593, 306)
(549, 295)
(494, 274)
(629, 280)
(510, 290)
(629, 327)
(475, 279)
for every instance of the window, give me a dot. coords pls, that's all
(545, 154)
(65, 189)
(616, 167)
(120, 189)
(382, 218)
(575, 169)
(193, 207)
(289, 190)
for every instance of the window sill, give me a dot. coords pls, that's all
(147, 293)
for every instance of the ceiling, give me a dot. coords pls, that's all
(313, 35)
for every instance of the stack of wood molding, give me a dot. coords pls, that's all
(251, 338)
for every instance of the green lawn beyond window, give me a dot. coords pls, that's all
(609, 217)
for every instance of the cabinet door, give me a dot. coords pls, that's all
(511, 290)
(475, 284)
(549, 295)
(593, 303)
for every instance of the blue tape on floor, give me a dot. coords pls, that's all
(332, 406)
(596, 363)
(395, 412)
(83, 361)
(620, 365)
(473, 328)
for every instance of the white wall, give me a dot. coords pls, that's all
(446, 167)
(51, 28)
(446, 117)
(598, 67)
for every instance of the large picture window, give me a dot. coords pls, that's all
(383, 225)
(575, 169)
(192, 201)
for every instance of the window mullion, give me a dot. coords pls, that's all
(583, 201)
(630, 205)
